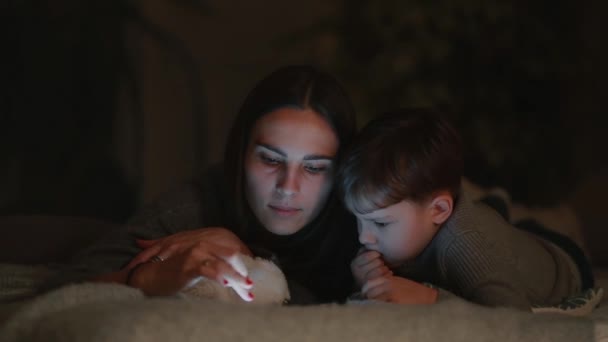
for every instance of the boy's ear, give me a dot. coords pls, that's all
(441, 207)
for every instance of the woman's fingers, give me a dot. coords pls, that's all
(144, 256)
(219, 270)
(142, 243)
(237, 263)
(169, 245)
(212, 253)
(244, 293)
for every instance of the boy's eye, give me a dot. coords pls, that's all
(381, 224)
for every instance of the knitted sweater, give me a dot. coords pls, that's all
(476, 254)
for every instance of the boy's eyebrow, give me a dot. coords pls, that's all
(307, 157)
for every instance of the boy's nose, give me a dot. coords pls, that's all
(366, 237)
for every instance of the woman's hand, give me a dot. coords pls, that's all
(185, 257)
(185, 267)
(164, 248)
(368, 265)
(399, 290)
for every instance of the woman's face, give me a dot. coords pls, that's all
(289, 166)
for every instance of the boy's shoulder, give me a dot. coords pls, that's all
(470, 216)
(472, 227)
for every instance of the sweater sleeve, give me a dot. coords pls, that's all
(189, 206)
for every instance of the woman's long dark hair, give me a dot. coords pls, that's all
(299, 86)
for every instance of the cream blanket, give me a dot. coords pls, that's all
(110, 312)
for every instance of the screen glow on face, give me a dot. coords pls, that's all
(399, 232)
(289, 168)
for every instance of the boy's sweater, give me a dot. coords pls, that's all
(476, 254)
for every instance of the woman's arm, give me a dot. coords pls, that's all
(169, 225)
(186, 256)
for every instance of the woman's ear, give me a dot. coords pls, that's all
(441, 207)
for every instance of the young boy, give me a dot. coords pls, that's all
(402, 179)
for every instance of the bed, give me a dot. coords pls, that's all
(112, 312)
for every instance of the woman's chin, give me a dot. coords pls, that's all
(283, 228)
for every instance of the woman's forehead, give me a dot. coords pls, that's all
(295, 131)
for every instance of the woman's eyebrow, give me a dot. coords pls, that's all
(307, 157)
(318, 157)
(272, 148)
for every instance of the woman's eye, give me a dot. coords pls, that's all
(380, 224)
(269, 160)
(315, 169)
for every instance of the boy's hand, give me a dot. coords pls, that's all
(399, 290)
(368, 265)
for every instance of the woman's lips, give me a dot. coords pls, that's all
(284, 210)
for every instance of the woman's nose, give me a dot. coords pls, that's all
(288, 183)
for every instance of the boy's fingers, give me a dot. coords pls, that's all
(369, 254)
(366, 258)
(362, 250)
(371, 284)
(380, 295)
(378, 292)
(377, 272)
(376, 263)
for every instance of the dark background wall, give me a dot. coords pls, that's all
(104, 105)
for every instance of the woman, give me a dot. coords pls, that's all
(273, 196)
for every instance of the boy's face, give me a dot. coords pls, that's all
(399, 232)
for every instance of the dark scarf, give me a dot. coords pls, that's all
(318, 256)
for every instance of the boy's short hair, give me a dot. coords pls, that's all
(405, 154)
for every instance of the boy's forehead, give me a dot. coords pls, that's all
(391, 212)
(378, 213)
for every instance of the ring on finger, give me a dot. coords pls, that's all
(157, 258)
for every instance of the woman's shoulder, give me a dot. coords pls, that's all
(203, 194)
